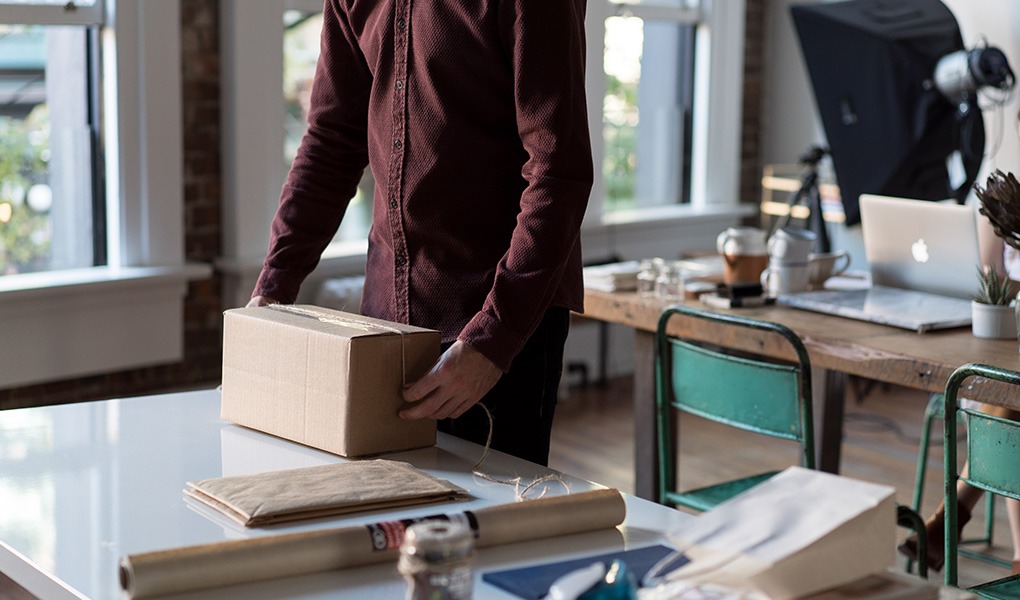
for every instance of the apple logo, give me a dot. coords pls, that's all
(919, 250)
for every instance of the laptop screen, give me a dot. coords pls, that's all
(921, 245)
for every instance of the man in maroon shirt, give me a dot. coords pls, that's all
(471, 115)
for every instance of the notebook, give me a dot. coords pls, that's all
(532, 583)
(923, 258)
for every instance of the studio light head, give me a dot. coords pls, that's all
(960, 75)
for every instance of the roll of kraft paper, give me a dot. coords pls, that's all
(257, 559)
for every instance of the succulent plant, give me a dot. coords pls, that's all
(992, 289)
(1000, 202)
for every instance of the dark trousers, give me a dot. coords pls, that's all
(523, 401)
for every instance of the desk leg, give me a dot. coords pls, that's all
(646, 459)
(829, 390)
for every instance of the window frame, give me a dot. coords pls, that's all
(61, 324)
(53, 14)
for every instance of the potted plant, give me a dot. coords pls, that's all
(1000, 202)
(993, 315)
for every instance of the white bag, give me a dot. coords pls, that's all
(797, 533)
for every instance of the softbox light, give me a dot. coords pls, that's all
(889, 129)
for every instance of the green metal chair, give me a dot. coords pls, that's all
(993, 456)
(750, 393)
(933, 411)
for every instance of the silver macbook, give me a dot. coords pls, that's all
(923, 258)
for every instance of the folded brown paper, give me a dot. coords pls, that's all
(268, 557)
(327, 490)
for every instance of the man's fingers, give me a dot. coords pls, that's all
(420, 389)
(439, 405)
(461, 377)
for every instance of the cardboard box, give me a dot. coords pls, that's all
(325, 378)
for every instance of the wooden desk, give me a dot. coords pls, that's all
(82, 485)
(837, 346)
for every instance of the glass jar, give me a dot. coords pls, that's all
(648, 273)
(670, 282)
(435, 560)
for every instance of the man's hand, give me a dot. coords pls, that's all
(457, 381)
(261, 301)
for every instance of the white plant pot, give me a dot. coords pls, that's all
(992, 321)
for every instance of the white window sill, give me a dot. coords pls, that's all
(60, 325)
(667, 231)
(98, 279)
(658, 216)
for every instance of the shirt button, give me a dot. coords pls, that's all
(393, 203)
(401, 261)
(401, 23)
(397, 145)
(400, 85)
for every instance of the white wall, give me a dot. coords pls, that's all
(999, 23)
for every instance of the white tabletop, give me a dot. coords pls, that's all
(82, 485)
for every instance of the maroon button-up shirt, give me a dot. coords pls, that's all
(472, 116)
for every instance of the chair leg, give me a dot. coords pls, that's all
(933, 408)
(909, 518)
(986, 539)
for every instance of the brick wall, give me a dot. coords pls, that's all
(750, 149)
(202, 194)
(202, 306)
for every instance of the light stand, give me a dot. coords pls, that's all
(810, 196)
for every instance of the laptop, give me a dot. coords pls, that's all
(923, 258)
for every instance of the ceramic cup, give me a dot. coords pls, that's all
(744, 254)
(824, 265)
(791, 245)
(780, 279)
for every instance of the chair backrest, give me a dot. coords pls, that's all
(993, 452)
(741, 390)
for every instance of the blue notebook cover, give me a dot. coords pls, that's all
(532, 583)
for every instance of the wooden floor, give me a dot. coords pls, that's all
(593, 439)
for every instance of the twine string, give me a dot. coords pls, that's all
(520, 488)
(351, 323)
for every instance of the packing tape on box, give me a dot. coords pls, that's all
(234, 562)
(359, 324)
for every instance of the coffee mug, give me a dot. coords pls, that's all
(744, 254)
(791, 245)
(780, 279)
(824, 265)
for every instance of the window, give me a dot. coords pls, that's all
(301, 30)
(96, 98)
(50, 214)
(665, 86)
(647, 108)
(648, 76)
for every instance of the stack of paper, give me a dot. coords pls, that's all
(327, 490)
(612, 277)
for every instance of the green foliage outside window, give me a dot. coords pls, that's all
(25, 235)
(619, 132)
